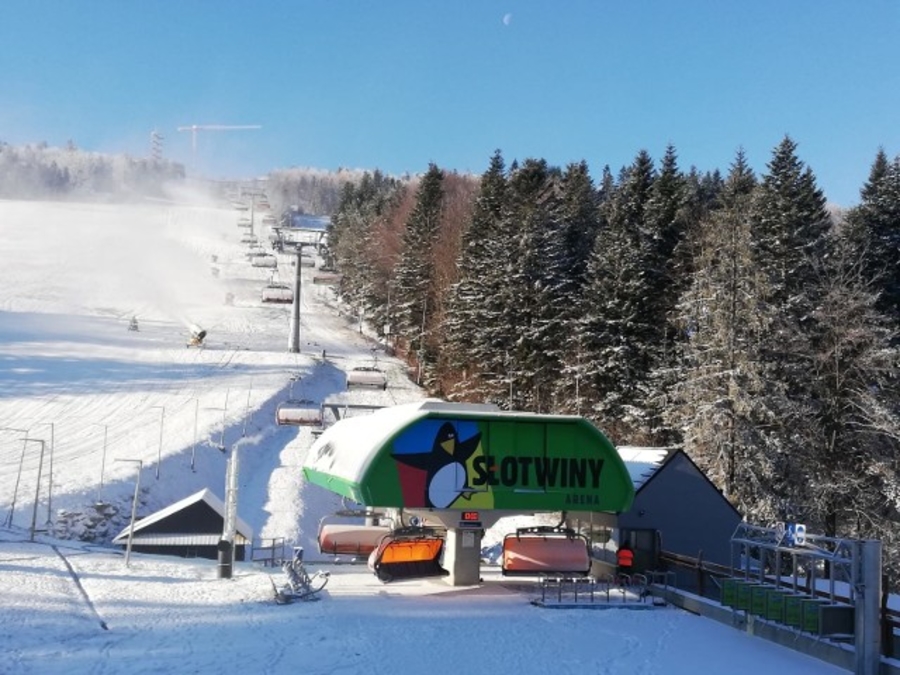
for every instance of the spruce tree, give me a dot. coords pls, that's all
(875, 227)
(615, 333)
(790, 238)
(414, 288)
(471, 311)
(720, 399)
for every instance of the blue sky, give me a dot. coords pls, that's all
(397, 84)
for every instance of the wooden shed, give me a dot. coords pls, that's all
(190, 528)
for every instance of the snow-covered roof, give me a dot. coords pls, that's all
(204, 495)
(338, 451)
(642, 463)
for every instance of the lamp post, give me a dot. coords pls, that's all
(103, 462)
(162, 418)
(224, 412)
(37, 486)
(194, 446)
(247, 412)
(52, 426)
(137, 487)
(12, 508)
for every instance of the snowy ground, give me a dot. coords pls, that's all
(90, 392)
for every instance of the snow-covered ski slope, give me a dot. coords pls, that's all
(72, 276)
(82, 385)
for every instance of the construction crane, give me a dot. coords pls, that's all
(194, 128)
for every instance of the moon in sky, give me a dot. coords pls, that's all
(507, 18)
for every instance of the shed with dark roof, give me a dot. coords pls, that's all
(676, 509)
(190, 528)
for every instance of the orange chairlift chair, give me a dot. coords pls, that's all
(545, 550)
(408, 553)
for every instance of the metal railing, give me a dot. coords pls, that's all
(271, 552)
(707, 576)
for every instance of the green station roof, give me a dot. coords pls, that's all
(442, 455)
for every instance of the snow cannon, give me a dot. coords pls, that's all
(197, 336)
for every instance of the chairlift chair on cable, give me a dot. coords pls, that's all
(263, 260)
(299, 413)
(338, 536)
(412, 552)
(531, 551)
(278, 293)
(366, 376)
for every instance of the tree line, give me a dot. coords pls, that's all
(43, 172)
(730, 314)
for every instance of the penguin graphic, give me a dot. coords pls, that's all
(445, 464)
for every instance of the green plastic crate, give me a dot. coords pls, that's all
(811, 614)
(745, 594)
(775, 603)
(793, 610)
(758, 595)
(729, 592)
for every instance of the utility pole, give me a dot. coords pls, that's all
(162, 418)
(12, 508)
(103, 463)
(50, 475)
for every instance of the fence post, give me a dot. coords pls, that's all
(887, 632)
(700, 581)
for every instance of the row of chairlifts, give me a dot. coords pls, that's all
(414, 551)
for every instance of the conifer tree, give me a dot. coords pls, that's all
(529, 229)
(471, 307)
(852, 444)
(614, 331)
(580, 221)
(875, 228)
(790, 237)
(719, 401)
(414, 288)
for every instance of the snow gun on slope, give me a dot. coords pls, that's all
(197, 335)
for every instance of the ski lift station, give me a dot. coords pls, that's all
(441, 473)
